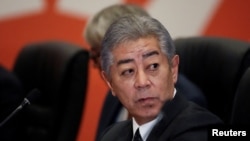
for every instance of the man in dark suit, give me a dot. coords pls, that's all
(113, 110)
(139, 65)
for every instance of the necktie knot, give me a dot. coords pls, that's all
(137, 136)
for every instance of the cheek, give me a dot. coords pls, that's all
(164, 84)
(163, 76)
(124, 92)
(120, 84)
(122, 89)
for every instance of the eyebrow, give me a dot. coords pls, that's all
(150, 54)
(124, 61)
(144, 56)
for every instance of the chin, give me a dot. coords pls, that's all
(146, 117)
(151, 112)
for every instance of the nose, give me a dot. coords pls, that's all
(142, 80)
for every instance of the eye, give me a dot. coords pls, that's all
(153, 67)
(127, 72)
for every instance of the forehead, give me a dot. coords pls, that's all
(137, 47)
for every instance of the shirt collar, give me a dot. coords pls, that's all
(146, 128)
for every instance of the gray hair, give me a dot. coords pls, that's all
(98, 25)
(132, 28)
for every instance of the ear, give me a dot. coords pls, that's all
(175, 67)
(108, 82)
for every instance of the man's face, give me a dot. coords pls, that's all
(142, 78)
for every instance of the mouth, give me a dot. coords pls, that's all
(147, 100)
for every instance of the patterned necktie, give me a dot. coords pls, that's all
(137, 136)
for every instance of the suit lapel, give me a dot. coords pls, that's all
(170, 111)
(122, 132)
(127, 135)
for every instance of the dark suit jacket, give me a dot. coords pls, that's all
(112, 105)
(110, 111)
(182, 120)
